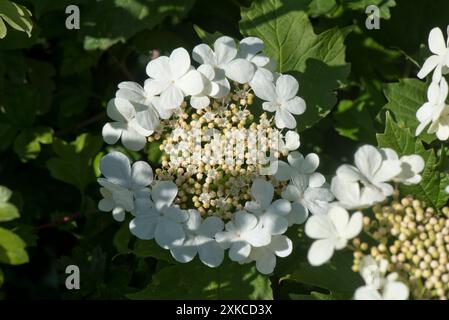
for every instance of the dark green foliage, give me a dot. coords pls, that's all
(54, 87)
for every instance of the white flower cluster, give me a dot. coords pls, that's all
(356, 187)
(137, 110)
(378, 285)
(253, 234)
(219, 91)
(435, 112)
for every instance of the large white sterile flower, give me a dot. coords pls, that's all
(439, 61)
(411, 167)
(159, 218)
(173, 78)
(200, 239)
(211, 87)
(352, 195)
(132, 132)
(373, 169)
(332, 231)
(292, 141)
(272, 216)
(250, 49)
(297, 164)
(225, 61)
(435, 112)
(307, 193)
(122, 183)
(280, 98)
(378, 286)
(241, 233)
(265, 257)
(134, 92)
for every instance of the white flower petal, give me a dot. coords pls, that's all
(430, 64)
(286, 87)
(118, 214)
(319, 227)
(298, 214)
(310, 163)
(281, 246)
(266, 263)
(316, 180)
(179, 62)
(105, 205)
(292, 140)
(296, 105)
(437, 44)
(257, 237)
(395, 290)
(159, 68)
(279, 207)
(292, 193)
(225, 50)
(244, 221)
(186, 252)
(207, 70)
(112, 131)
(239, 251)
(169, 233)
(199, 102)
(141, 174)
(147, 120)
(143, 226)
(368, 160)
(349, 173)
(115, 166)
(163, 194)
(203, 54)
(367, 293)
(263, 192)
(120, 110)
(354, 227)
(133, 140)
(240, 70)
(191, 83)
(171, 98)
(284, 119)
(211, 226)
(281, 170)
(263, 87)
(249, 47)
(211, 254)
(320, 251)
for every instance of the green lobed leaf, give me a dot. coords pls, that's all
(5, 194)
(383, 5)
(28, 143)
(404, 99)
(431, 188)
(150, 249)
(16, 16)
(12, 248)
(122, 238)
(108, 22)
(8, 211)
(317, 61)
(196, 281)
(321, 7)
(74, 161)
(336, 276)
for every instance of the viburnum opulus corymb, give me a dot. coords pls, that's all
(230, 177)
